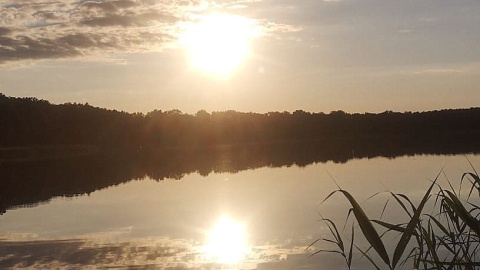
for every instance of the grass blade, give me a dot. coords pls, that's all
(409, 230)
(350, 253)
(368, 258)
(427, 235)
(457, 206)
(367, 228)
(392, 227)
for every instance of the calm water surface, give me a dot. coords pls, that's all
(266, 216)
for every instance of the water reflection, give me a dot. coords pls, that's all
(162, 224)
(145, 254)
(226, 242)
(29, 182)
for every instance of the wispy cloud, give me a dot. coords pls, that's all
(49, 30)
(451, 69)
(439, 71)
(32, 30)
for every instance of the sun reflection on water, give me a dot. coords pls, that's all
(226, 242)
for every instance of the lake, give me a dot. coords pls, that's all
(249, 217)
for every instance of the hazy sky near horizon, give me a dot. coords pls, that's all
(314, 55)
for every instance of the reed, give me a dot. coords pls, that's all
(447, 237)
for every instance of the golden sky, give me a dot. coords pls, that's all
(252, 55)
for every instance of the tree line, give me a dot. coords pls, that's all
(34, 122)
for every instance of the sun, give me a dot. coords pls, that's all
(218, 43)
(226, 242)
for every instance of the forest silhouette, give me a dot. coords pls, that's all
(49, 150)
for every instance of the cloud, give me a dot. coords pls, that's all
(5, 31)
(44, 29)
(33, 30)
(456, 69)
(130, 20)
(111, 6)
(440, 71)
(77, 44)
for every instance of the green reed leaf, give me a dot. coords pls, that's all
(367, 228)
(409, 230)
(350, 253)
(431, 247)
(392, 227)
(457, 206)
(368, 257)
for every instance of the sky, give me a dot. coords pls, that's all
(250, 55)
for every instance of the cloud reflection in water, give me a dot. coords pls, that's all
(148, 253)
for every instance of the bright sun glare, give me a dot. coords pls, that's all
(226, 242)
(218, 43)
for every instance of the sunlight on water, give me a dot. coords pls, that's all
(226, 242)
(272, 217)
